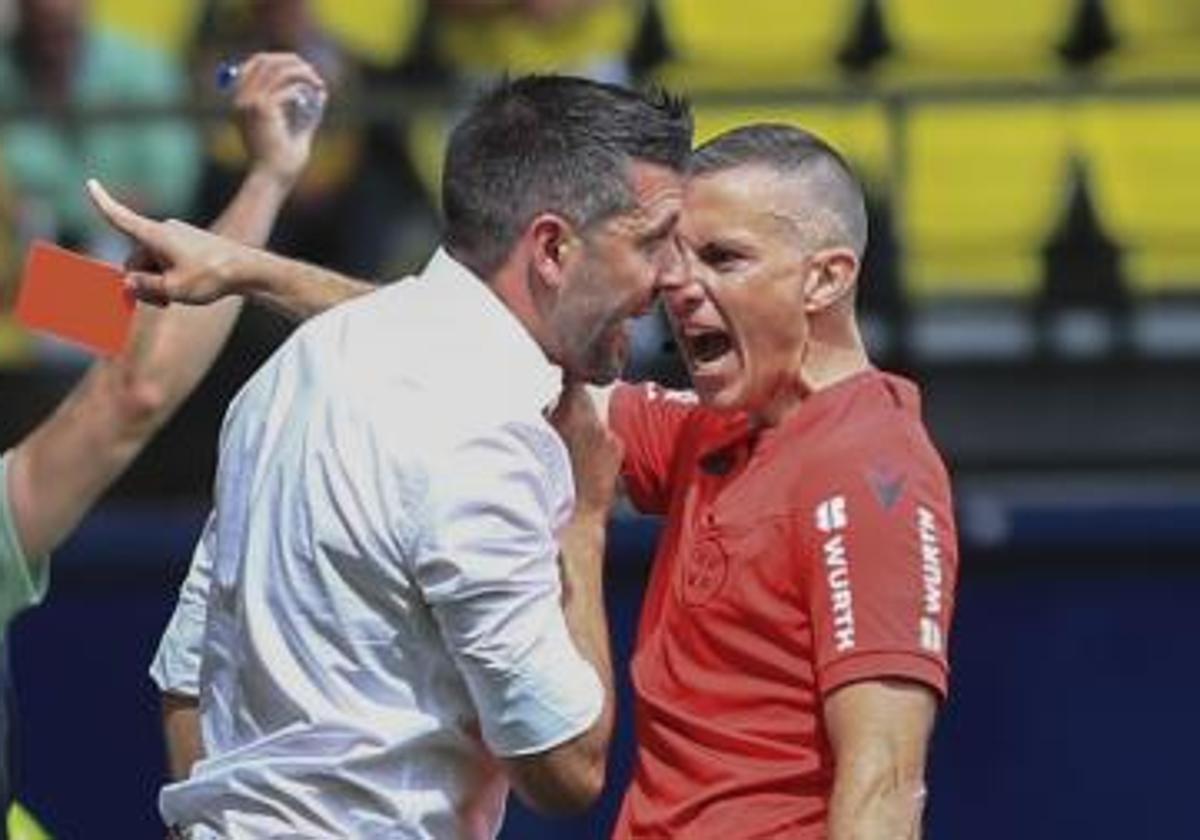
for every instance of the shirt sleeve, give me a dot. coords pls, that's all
(488, 567)
(23, 580)
(176, 665)
(648, 419)
(885, 564)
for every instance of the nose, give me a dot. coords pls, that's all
(673, 268)
(678, 281)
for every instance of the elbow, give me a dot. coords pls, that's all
(585, 788)
(565, 790)
(144, 401)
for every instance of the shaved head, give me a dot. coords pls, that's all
(827, 207)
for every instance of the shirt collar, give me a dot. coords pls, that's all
(738, 429)
(491, 331)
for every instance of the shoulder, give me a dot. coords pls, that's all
(880, 421)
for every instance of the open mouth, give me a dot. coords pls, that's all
(708, 346)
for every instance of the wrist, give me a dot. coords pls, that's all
(589, 517)
(247, 270)
(270, 184)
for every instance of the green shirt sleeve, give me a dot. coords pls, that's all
(23, 582)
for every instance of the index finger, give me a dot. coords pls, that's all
(121, 217)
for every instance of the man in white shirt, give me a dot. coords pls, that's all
(382, 629)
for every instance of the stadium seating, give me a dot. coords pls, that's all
(955, 42)
(168, 26)
(1143, 157)
(379, 32)
(983, 185)
(1156, 39)
(728, 45)
(593, 42)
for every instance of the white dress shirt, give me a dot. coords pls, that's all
(374, 609)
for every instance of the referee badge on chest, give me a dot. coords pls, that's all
(703, 571)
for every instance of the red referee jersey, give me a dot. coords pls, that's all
(793, 560)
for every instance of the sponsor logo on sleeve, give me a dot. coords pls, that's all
(932, 581)
(831, 519)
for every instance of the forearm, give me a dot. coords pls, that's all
(181, 730)
(879, 731)
(885, 802)
(297, 289)
(582, 547)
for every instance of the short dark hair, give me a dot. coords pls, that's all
(793, 152)
(552, 143)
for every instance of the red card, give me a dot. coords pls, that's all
(75, 298)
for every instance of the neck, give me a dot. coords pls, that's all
(834, 352)
(511, 285)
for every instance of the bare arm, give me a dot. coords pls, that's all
(59, 470)
(879, 730)
(299, 290)
(181, 728)
(569, 777)
(199, 267)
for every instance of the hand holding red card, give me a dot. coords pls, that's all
(76, 298)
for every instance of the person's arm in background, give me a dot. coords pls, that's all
(59, 470)
(569, 777)
(879, 731)
(199, 267)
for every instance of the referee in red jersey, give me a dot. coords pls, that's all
(792, 647)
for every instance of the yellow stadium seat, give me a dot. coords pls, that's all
(1143, 158)
(381, 32)
(727, 44)
(984, 184)
(954, 41)
(860, 131)
(1156, 39)
(593, 42)
(168, 25)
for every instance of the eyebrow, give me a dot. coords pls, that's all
(662, 228)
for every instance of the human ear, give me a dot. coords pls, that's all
(553, 245)
(831, 277)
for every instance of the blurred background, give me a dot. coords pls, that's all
(1033, 168)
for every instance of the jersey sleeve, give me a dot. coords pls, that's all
(885, 561)
(648, 419)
